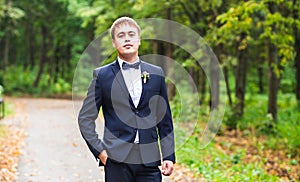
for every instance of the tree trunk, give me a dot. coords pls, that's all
(202, 86)
(6, 50)
(7, 38)
(2, 45)
(195, 78)
(154, 46)
(169, 53)
(297, 48)
(66, 64)
(51, 58)
(297, 64)
(260, 72)
(57, 66)
(273, 81)
(31, 40)
(240, 79)
(227, 85)
(214, 79)
(273, 78)
(161, 51)
(43, 55)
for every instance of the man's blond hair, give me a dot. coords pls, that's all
(122, 21)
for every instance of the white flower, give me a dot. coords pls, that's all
(145, 76)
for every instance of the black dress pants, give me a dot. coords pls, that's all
(131, 171)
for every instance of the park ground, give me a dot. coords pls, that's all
(40, 141)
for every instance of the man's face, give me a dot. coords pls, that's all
(127, 41)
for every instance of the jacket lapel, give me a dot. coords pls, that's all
(120, 79)
(144, 85)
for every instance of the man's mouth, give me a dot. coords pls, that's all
(127, 45)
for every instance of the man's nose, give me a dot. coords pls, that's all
(127, 38)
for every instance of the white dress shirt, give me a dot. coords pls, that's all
(133, 81)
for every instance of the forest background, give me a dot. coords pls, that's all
(257, 43)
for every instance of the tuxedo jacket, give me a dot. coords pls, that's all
(151, 117)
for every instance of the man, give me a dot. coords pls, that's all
(134, 102)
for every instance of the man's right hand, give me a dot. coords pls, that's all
(103, 157)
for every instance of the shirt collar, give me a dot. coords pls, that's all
(121, 61)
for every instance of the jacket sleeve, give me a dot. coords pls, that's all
(165, 125)
(88, 115)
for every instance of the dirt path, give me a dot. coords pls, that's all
(53, 148)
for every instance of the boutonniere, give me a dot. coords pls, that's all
(145, 76)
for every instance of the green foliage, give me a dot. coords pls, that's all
(284, 133)
(3, 131)
(255, 19)
(214, 164)
(288, 85)
(9, 17)
(182, 113)
(9, 108)
(289, 122)
(3, 127)
(72, 24)
(19, 81)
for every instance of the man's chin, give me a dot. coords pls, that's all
(128, 53)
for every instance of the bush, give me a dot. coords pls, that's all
(19, 81)
(283, 133)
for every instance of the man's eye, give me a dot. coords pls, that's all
(131, 34)
(121, 35)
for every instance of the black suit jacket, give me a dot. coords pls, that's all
(152, 117)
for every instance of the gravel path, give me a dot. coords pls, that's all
(54, 149)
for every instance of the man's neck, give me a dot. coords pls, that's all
(127, 58)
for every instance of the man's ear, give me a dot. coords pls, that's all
(113, 43)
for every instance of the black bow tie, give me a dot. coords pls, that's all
(126, 66)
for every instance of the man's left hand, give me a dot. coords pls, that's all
(167, 168)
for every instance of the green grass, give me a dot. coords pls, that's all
(8, 111)
(3, 131)
(214, 164)
(285, 132)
